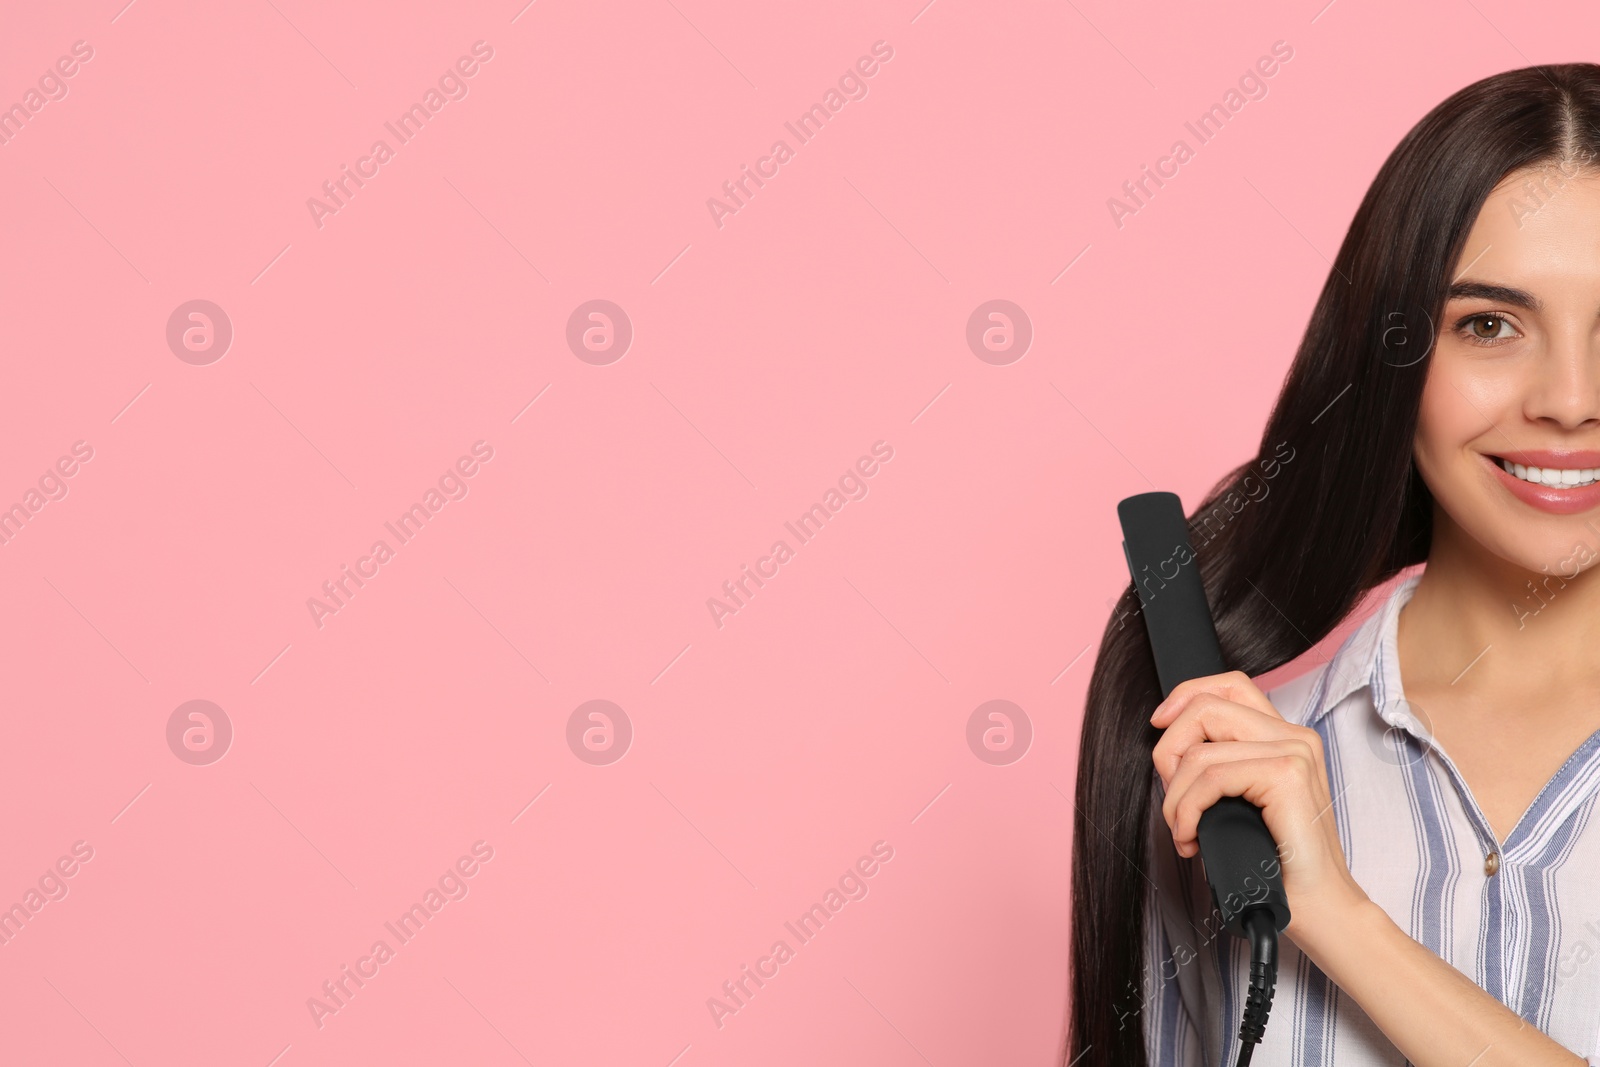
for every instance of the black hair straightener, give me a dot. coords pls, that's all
(1240, 857)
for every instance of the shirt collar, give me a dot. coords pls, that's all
(1370, 658)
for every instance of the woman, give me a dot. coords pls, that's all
(1439, 840)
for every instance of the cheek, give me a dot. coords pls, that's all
(1469, 408)
(1457, 420)
(1439, 433)
(1462, 404)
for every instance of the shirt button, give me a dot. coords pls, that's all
(1491, 863)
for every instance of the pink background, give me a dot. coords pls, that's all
(768, 354)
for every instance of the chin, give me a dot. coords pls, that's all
(1547, 545)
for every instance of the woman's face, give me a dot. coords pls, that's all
(1515, 376)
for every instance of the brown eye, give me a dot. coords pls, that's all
(1487, 327)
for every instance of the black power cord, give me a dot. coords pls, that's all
(1263, 931)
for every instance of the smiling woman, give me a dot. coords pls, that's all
(1433, 789)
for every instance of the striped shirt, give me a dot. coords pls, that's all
(1520, 918)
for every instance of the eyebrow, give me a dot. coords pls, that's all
(1504, 294)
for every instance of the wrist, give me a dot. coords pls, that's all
(1344, 942)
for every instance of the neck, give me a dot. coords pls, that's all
(1481, 624)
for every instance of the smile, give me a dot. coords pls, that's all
(1554, 477)
(1568, 489)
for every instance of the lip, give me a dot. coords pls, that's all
(1562, 501)
(1561, 459)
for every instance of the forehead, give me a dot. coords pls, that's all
(1539, 226)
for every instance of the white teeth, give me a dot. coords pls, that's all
(1552, 476)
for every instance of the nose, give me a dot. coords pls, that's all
(1566, 385)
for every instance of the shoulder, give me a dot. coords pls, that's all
(1366, 661)
(1295, 698)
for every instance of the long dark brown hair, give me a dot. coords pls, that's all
(1348, 512)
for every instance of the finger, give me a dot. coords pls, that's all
(1209, 717)
(1201, 757)
(1281, 785)
(1230, 685)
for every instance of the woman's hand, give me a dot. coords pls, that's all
(1224, 738)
